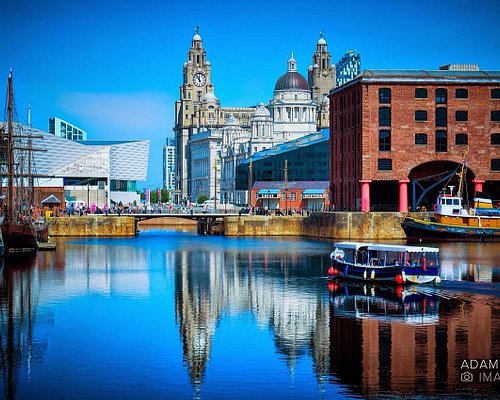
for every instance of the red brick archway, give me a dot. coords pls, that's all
(424, 180)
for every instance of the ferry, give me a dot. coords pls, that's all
(374, 262)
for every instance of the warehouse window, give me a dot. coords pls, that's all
(461, 94)
(385, 164)
(420, 93)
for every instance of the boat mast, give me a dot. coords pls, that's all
(461, 176)
(10, 152)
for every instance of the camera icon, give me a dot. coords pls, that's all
(466, 376)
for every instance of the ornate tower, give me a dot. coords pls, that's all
(197, 107)
(321, 78)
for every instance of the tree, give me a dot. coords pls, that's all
(201, 199)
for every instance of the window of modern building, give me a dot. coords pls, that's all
(461, 139)
(385, 164)
(461, 94)
(461, 116)
(495, 116)
(384, 95)
(420, 115)
(495, 93)
(441, 116)
(495, 164)
(441, 96)
(384, 140)
(441, 141)
(384, 116)
(495, 139)
(420, 93)
(421, 138)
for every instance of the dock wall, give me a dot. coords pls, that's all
(90, 225)
(337, 225)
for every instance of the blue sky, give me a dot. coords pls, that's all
(114, 68)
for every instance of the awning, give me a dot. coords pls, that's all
(268, 193)
(313, 193)
(51, 200)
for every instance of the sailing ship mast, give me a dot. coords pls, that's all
(10, 151)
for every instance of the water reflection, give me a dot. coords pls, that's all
(20, 350)
(334, 340)
(472, 262)
(275, 287)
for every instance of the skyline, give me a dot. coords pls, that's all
(115, 69)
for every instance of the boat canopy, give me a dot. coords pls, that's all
(386, 247)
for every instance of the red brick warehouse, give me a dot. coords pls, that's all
(398, 135)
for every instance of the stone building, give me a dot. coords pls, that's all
(297, 109)
(392, 128)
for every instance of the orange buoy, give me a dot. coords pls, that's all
(399, 279)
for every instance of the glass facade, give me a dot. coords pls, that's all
(66, 130)
(308, 158)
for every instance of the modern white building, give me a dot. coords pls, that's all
(66, 130)
(103, 172)
(169, 164)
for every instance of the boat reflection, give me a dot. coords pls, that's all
(400, 303)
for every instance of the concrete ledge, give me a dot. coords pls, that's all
(336, 225)
(92, 225)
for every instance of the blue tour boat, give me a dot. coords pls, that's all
(373, 262)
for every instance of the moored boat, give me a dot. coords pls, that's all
(16, 183)
(453, 220)
(373, 262)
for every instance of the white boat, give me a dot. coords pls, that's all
(374, 262)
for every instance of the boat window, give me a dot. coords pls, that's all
(456, 202)
(349, 255)
(448, 202)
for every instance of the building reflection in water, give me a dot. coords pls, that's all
(407, 343)
(416, 347)
(270, 285)
(467, 261)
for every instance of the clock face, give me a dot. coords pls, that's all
(199, 79)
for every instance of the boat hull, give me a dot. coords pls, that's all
(19, 238)
(420, 230)
(387, 274)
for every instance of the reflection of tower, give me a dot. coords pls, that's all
(206, 285)
(198, 306)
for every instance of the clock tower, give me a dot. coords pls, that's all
(197, 107)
